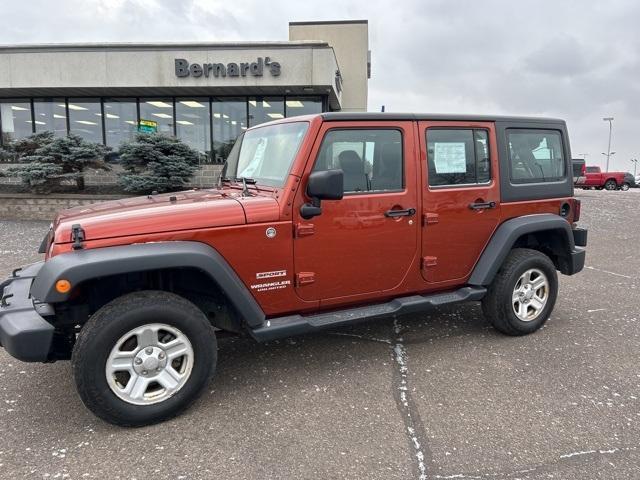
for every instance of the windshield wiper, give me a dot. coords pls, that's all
(245, 182)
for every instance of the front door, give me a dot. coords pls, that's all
(367, 241)
(461, 197)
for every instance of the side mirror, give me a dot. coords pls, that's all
(324, 185)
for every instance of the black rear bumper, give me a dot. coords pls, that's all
(575, 262)
(24, 333)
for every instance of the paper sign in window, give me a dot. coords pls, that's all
(450, 157)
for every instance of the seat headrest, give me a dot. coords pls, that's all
(350, 162)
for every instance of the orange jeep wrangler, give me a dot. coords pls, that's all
(318, 221)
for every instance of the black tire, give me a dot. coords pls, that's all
(624, 187)
(497, 305)
(103, 330)
(610, 185)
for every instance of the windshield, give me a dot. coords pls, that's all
(265, 154)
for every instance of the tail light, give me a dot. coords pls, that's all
(577, 204)
(583, 172)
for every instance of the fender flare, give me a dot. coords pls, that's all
(83, 265)
(506, 236)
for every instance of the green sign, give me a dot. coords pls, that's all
(147, 126)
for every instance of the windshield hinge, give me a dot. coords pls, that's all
(77, 236)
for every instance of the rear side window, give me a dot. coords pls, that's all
(535, 155)
(458, 156)
(593, 169)
(372, 160)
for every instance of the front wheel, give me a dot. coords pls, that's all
(610, 185)
(624, 187)
(143, 358)
(523, 293)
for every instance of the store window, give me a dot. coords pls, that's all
(15, 120)
(303, 106)
(85, 119)
(229, 120)
(458, 157)
(193, 125)
(120, 120)
(50, 114)
(159, 110)
(265, 109)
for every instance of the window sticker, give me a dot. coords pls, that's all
(256, 162)
(450, 157)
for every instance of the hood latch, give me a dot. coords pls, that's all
(77, 236)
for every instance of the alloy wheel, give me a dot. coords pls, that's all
(149, 364)
(530, 295)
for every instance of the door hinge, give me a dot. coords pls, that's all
(304, 230)
(305, 278)
(429, 262)
(429, 218)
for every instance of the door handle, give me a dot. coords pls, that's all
(400, 213)
(482, 205)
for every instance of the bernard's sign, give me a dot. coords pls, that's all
(232, 69)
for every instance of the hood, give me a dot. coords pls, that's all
(190, 210)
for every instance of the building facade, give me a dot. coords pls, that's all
(206, 94)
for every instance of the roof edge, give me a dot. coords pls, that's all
(331, 22)
(39, 47)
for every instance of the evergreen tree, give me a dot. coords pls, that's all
(48, 161)
(157, 162)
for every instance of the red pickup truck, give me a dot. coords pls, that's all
(594, 177)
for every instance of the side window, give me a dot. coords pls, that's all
(372, 160)
(535, 155)
(458, 156)
(593, 170)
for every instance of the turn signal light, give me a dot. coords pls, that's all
(63, 286)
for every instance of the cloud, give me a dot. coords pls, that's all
(575, 59)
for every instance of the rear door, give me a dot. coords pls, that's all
(365, 243)
(461, 197)
(593, 177)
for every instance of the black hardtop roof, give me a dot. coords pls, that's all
(356, 116)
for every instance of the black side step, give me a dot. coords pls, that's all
(291, 325)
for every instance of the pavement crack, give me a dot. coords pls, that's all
(410, 415)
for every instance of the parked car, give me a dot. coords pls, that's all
(319, 221)
(596, 178)
(628, 182)
(579, 171)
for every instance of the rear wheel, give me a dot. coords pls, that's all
(143, 358)
(610, 185)
(523, 293)
(624, 187)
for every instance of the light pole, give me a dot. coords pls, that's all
(584, 156)
(608, 154)
(635, 166)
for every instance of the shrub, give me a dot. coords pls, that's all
(49, 161)
(156, 162)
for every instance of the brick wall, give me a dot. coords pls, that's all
(206, 176)
(24, 206)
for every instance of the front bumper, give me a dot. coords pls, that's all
(24, 333)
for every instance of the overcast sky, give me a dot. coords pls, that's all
(578, 60)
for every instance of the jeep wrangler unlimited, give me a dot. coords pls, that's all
(318, 221)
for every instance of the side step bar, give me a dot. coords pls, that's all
(291, 325)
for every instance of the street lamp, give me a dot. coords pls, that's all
(584, 155)
(635, 165)
(608, 154)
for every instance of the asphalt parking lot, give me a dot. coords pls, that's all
(439, 395)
